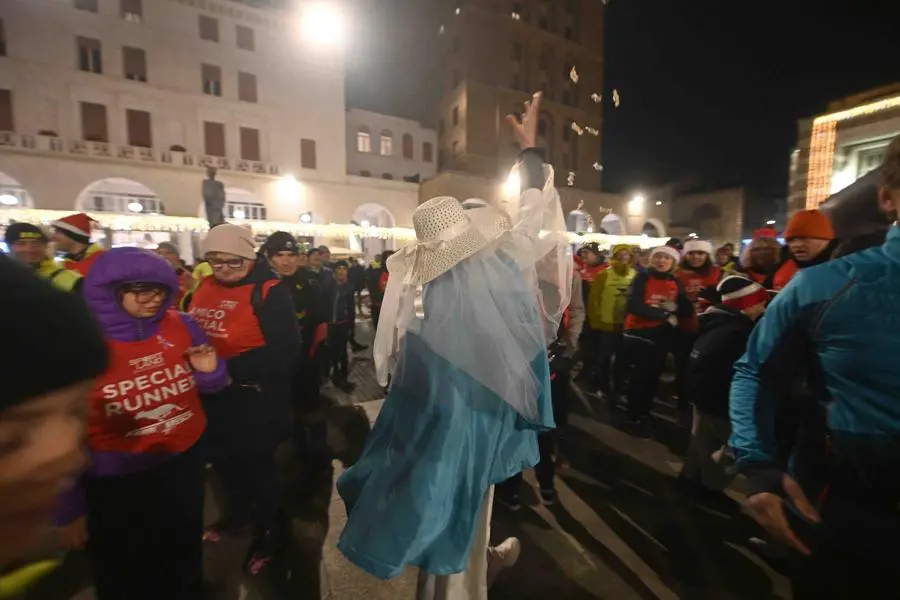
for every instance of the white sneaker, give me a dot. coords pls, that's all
(502, 556)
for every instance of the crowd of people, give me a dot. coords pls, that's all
(782, 360)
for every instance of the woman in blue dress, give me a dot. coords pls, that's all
(464, 327)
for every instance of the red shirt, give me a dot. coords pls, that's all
(147, 400)
(656, 291)
(84, 265)
(226, 315)
(784, 274)
(694, 283)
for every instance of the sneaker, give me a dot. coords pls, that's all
(225, 527)
(548, 497)
(510, 501)
(262, 552)
(502, 556)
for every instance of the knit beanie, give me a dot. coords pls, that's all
(168, 247)
(698, 246)
(76, 227)
(53, 341)
(809, 224)
(668, 251)
(230, 239)
(280, 241)
(740, 293)
(24, 231)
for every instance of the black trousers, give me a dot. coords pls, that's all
(338, 338)
(646, 357)
(145, 531)
(252, 487)
(683, 344)
(610, 364)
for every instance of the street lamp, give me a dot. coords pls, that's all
(770, 222)
(135, 206)
(239, 214)
(306, 217)
(659, 202)
(8, 200)
(513, 186)
(365, 224)
(322, 24)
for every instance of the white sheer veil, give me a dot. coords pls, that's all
(493, 314)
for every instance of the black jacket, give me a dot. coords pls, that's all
(338, 297)
(722, 341)
(638, 306)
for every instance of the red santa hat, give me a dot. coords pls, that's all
(765, 232)
(76, 227)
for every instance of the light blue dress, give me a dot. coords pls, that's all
(441, 440)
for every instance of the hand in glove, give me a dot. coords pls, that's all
(672, 320)
(668, 306)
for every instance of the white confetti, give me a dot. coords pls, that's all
(598, 166)
(616, 98)
(597, 98)
(577, 128)
(592, 130)
(573, 75)
(571, 178)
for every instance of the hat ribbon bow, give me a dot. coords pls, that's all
(417, 252)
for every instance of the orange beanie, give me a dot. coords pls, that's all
(809, 224)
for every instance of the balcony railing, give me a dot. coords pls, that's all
(44, 144)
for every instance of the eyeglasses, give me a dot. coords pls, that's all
(231, 263)
(145, 293)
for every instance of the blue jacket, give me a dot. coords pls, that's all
(839, 324)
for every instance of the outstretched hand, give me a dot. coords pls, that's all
(203, 359)
(526, 131)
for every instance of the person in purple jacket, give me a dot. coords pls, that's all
(139, 507)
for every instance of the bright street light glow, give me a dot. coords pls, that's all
(239, 214)
(513, 186)
(288, 188)
(135, 206)
(364, 223)
(638, 199)
(322, 24)
(306, 217)
(8, 200)
(692, 235)
(659, 202)
(770, 222)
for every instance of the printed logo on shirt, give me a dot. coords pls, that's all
(228, 304)
(164, 342)
(146, 362)
(165, 419)
(212, 320)
(146, 393)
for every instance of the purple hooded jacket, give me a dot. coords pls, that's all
(131, 265)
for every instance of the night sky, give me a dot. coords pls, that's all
(710, 89)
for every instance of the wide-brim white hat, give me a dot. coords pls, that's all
(446, 235)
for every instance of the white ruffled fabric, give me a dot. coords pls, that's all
(480, 327)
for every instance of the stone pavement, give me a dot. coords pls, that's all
(619, 531)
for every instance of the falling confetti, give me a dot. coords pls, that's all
(598, 166)
(597, 98)
(573, 75)
(616, 98)
(571, 178)
(577, 128)
(592, 130)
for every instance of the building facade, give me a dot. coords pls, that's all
(389, 147)
(489, 55)
(717, 216)
(839, 147)
(120, 105)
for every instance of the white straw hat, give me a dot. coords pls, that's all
(447, 234)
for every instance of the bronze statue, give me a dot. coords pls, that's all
(213, 198)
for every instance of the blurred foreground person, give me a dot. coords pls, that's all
(28, 245)
(45, 390)
(467, 317)
(838, 502)
(139, 506)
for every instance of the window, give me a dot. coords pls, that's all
(89, 5)
(427, 152)
(7, 122)
(387, 176)
(209, 28)
(363, 140)
(455, 116)
(246, 87)
(407, 145)
(249, 143)
(567, 130)
(245, 38)
(308, 154)
(2, 39)
(212, 80)
(134, 63)
(132, 10)
(365, 173)
(93, 122)
(89, 56)
(387, 143)
(214, 138)
(139, 130)
(250, 211)
(869, 160)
